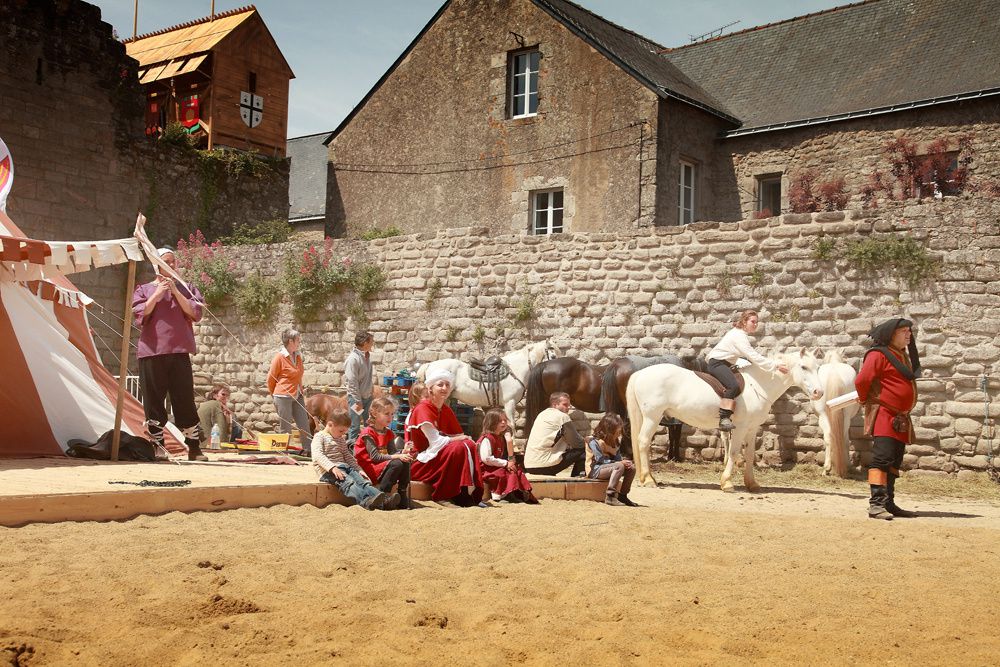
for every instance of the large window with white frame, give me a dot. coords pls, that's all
(686, 193)
(523, 85)
(547, 211)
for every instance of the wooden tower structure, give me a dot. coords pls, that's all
(222, 77)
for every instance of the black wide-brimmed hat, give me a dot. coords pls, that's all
(881, 334)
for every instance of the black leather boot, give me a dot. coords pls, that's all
(890, 502)
(876, 505)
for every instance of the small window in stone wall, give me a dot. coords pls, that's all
(685, 201)
(547, 212)
(768, 195)
(522, 95)
(938, 175)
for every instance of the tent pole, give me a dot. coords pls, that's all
(123, 367)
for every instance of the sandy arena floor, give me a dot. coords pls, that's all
(696, 577)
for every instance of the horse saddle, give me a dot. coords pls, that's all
(488, 371)
(717, 386)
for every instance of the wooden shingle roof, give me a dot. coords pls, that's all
(186, 39)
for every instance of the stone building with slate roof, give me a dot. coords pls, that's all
(538, 116)
(307, 178)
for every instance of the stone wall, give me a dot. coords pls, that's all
(672, 289)
(72, 118)
(854, 149)
(441, 119)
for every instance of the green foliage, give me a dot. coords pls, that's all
(257, 299)
(478, 334)
(208, 193)
(379, 233)
(525, 309)
(315, 276)
(207, 266)
(900, 256)
(357, 311)
(312, 278)
(270, 231)
(366, 280)
(756, 278)
(236, 163)
(433, 292)
(176, 134)
(451, 334)
(824, 248)
(725, 283)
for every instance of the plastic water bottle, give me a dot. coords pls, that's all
(215, 436)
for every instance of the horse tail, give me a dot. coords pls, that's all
(634, 420)
(838, 443)
(610, 399)
(534, 396)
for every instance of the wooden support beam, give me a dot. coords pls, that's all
(120, 505)
(123, 360)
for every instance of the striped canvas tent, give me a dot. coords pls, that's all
(54, 387)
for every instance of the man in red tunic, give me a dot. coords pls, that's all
(887, 388)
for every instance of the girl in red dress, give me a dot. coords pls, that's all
(500, 471)
(446, 457)
(379, 452)
(417, 393)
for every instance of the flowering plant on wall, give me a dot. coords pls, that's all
(208, 267)
(316, 275)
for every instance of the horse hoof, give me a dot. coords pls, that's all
(649, 484)
(753, 488)
(728, 487)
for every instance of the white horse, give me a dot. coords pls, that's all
(511, 388)
(837, 379)
(677, 392)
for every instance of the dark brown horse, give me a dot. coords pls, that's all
(594, 389)
(321, 406)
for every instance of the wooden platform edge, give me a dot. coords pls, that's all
(22, 510)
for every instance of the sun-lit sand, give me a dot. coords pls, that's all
(695, 577)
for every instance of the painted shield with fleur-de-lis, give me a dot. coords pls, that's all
(251, 108)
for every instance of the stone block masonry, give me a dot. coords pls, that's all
(602, 296)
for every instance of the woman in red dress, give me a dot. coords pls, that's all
(507, 481)
(446, 458)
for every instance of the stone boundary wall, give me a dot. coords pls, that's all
(600, 296)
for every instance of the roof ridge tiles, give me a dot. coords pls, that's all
(611, 23)
(830, 10)
(193, 22)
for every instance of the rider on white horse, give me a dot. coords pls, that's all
(735, 345)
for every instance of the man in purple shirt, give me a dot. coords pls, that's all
(164, 311)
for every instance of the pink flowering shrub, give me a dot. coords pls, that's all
(313, 277)
(208, 267)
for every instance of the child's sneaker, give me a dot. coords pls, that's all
(610, 499)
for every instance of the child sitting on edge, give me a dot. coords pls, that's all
(333, 458)
(604, 461)
(378, 451)
(500, 471)
(418, 392)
